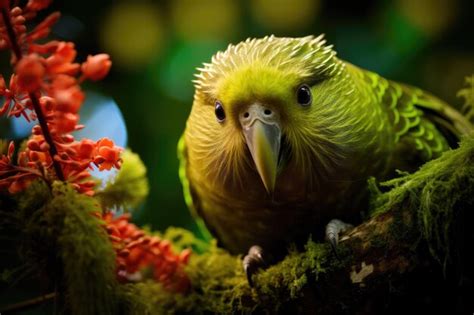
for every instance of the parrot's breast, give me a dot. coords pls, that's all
(241, 217)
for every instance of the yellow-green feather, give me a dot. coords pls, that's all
(415, 115)
(188, 198)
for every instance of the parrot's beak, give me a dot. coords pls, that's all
(263, 140)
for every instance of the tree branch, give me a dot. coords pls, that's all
(28, 303)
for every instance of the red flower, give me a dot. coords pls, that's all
(42, 30)
(85, 149)
(108, 155)
(65, 122)
(3, 85)
(69, 99)
(36, 5)
(137, 252)
(45, 86)
(62, 81)
(20, 184)
(30, 72)
(61, 61)
(96, 67)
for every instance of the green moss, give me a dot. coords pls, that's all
(130, 186)
(181, 239)
(132, 300)
(286, 279)
(223, 291)
(88, 259)
(33, 198)
(151, 298)
(219, 284)
(59, 236)
(432, 193)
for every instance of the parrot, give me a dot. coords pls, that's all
(283, 137)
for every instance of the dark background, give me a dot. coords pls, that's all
(155, 47)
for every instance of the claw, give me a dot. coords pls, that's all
(333, 241)
(333, 229)
(252, 262)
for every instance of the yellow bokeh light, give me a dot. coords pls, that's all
(132, 33)
(208, 19)
(285, 15)
(431, 16)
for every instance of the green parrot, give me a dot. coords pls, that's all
(283, 136)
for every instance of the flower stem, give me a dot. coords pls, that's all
(47, 135)
(34, 99)
(11, 33)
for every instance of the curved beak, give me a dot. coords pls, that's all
(263, 140)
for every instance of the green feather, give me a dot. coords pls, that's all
(188, 198)
(415, 116)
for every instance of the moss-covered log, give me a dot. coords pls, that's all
(411, 254)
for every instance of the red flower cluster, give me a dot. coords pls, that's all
(138, 253)
(45, 87)
(17, 175)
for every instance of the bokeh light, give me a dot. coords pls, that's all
(285, 15)
(176, 73)
(102, 118)
(205, 19)
(430, 16)
(132, 33)
(100, 115)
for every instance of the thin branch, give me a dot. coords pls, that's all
(28, 303)
(47, 136)
(11, 33)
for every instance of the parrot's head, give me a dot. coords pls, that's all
(264, 104)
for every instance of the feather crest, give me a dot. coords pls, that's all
(308, 56)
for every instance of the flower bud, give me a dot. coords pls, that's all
(96, 67)
(30, 72)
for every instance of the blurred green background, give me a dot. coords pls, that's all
(156, 46)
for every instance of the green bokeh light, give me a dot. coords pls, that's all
(173, 74)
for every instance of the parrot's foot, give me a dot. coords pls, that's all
(333, 229)
(253, 261)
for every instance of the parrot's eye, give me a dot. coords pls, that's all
(220, 113)
(303, 95)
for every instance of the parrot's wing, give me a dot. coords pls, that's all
(422, 121)
(445, 117)
(189, 196)
(418, 118)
